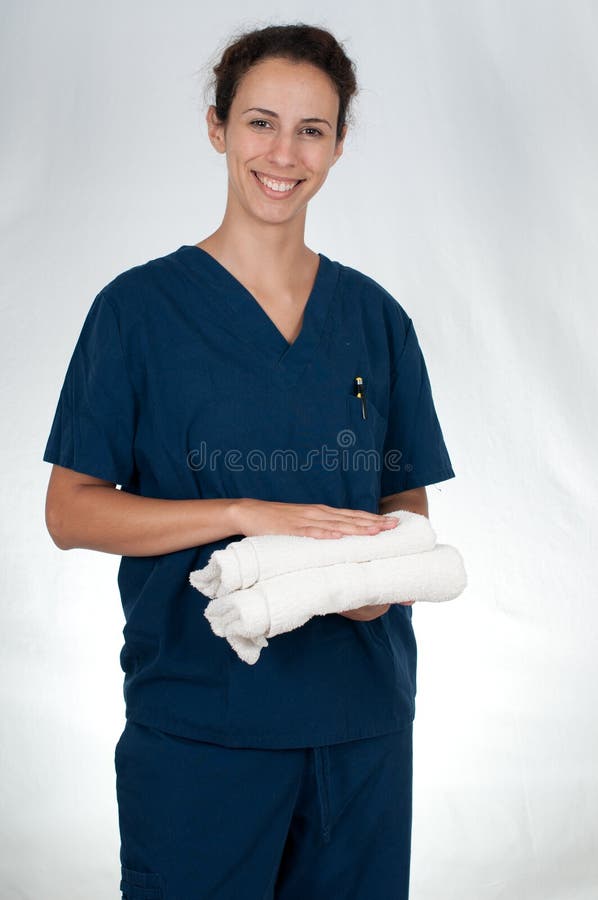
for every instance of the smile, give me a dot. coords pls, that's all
(272, 187)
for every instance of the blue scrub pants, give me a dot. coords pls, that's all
(202, 821)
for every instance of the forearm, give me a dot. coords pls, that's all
(114, 521)
(414, 501)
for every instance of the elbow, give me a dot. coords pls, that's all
(54, 525)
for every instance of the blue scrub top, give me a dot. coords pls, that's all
(181, 387)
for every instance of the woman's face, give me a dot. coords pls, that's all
(265, 134)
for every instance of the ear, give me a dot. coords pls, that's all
(215, 130)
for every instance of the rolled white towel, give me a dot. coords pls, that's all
(284, 602)
(243, 563)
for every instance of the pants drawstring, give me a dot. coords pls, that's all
(322, 780)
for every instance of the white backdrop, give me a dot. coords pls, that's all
(468, 188)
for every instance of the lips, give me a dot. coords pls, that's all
(281, 180)
(276, 195)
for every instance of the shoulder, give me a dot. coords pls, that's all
(376, 301)
(130, 291)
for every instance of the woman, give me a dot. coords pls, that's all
(193, 374)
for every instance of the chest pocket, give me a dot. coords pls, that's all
(369, 431)
(363, 441)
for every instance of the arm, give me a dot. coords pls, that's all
(90, 513)
(414, 500)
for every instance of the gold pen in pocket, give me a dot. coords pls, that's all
(359, 391)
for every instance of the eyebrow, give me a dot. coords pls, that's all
(269, 112)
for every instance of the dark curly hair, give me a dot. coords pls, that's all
(300, 43)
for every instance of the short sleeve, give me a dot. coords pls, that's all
(415, 453)
(93, 430)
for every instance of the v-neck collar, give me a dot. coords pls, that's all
(285, 360)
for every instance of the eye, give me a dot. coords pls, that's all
(263, 121)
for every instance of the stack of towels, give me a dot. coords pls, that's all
(267, 584)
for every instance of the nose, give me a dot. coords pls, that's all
(282, 151)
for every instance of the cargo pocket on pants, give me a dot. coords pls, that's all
(141, 885)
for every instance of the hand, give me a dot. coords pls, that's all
(367, 613)
(254, 517)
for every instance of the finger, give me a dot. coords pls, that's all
(360, 514)
(316, 532)
(351, 527)
(358, 522)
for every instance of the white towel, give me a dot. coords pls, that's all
(243, 563)
(284, 602)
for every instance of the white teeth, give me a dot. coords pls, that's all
(276, 185)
